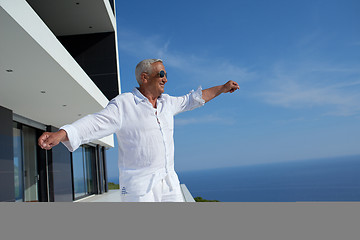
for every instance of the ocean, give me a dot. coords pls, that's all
(335, 179)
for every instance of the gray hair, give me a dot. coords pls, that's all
(144, 66)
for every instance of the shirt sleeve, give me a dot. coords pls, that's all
(93, 126)
(187, 102)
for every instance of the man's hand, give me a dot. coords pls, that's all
(49, 140)
(231, 86)
(210, 93)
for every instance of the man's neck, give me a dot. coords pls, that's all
(149, 95)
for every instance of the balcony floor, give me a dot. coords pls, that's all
(114, 196)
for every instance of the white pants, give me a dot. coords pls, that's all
(161, 192)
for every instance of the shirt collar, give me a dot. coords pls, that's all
(139, 97)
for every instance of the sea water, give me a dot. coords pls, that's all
(336, 179)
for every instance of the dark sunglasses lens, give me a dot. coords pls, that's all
(162, 74)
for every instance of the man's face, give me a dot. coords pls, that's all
(156, 83)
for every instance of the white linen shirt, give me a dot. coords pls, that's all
(144, 133)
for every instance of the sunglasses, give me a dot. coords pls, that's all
(162, 74)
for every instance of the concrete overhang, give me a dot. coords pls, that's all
(39, 79)
(72, 17)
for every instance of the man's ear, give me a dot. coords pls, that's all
(144, 77)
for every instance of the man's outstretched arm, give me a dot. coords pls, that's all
(210, 93)
(84, 130)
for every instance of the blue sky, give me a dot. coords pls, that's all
(297, 64)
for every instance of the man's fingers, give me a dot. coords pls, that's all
(47, 147)
(235, 85)
(51, 141)
(42, 139)
(232, 86)
(47, 140)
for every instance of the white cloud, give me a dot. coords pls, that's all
(203, 119)
(200, 68)
(356, 43)
(334, 88)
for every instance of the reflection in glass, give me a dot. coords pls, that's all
(25, 163)
(89, 158)
(78, 173)
(101, 171)
(83, 159)
(18, 164)
(30, 164)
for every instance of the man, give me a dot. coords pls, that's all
(143, 122)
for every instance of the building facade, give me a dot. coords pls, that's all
(58, 62)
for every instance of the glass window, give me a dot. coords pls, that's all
(26, 175)
(79, 173)
(101, 170)
(31, 176)
(18, 163)
(89, 160)
(83, 171)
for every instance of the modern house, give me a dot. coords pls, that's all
(58, 62)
